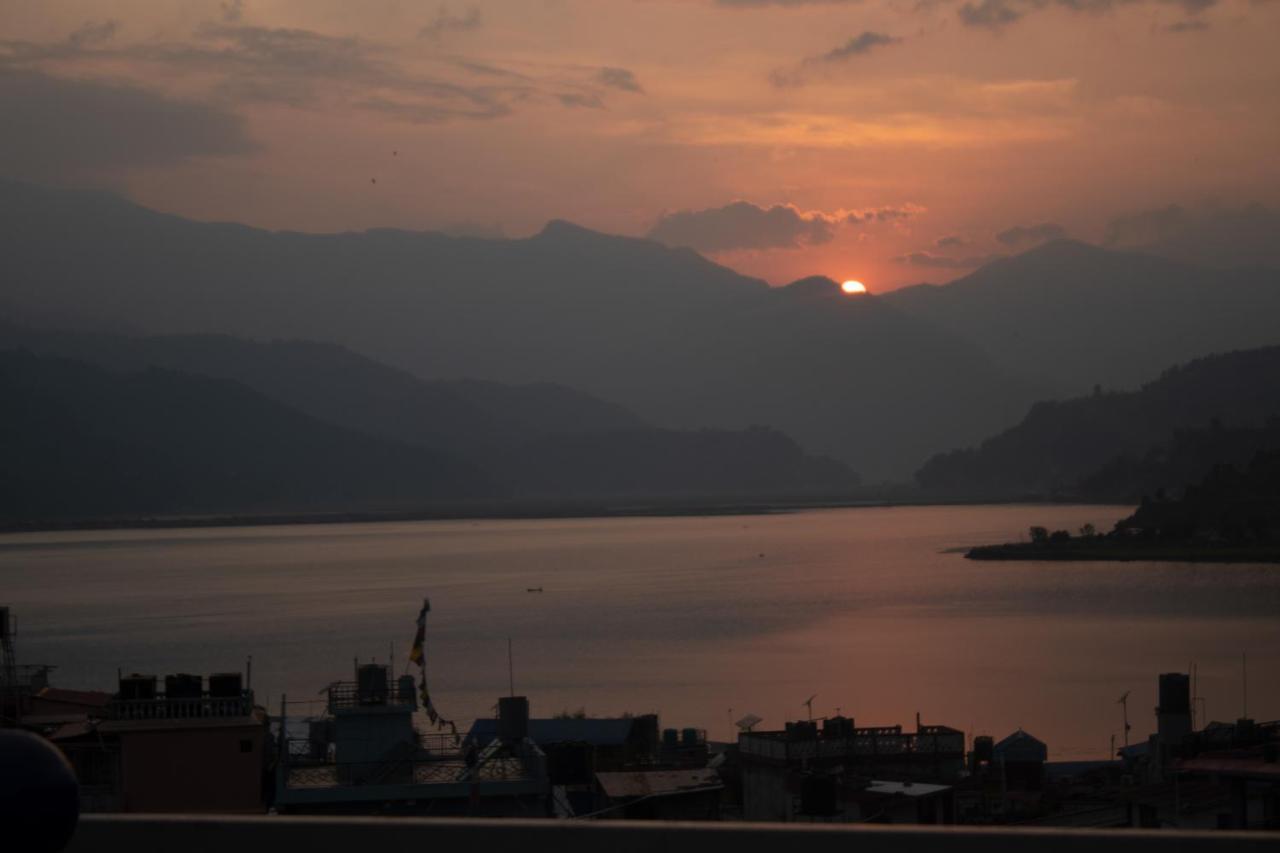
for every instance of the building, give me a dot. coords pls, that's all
(365, 756)
(844, 773)
(188, 748)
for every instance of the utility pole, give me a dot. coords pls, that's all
(1123, 701)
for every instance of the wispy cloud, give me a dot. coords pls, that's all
(446, 21)
(619, 78)
(241, 63)
(998, 14)
(743, 225)
(1031, 235)
(945, 262)
(858, 45)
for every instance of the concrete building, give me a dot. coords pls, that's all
(184, 749)
(364, 756)
(841, 772)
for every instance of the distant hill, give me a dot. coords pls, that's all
(77, 441)
(1230, 504)
(85, 442)
(676, 339)
(1074, 316)
(339, 386)
(1116, 445)
(1165, 469)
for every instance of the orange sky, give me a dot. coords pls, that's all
(964, 119)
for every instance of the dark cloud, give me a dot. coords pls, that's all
(90, 34)
(447, 22)
(996, 14)
(83, 128)
(992, 14)
(743, 225)
(619, 78)
(305, 68)
(586, 100)
(1031, 235)
(858, 45)
(760, 4)
(1212, 235)
(950, 242)
(945, 262)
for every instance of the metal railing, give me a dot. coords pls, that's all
(414, 771)
(174, 708)
(271, 834)
(348, 694)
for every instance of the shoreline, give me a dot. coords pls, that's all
(1111, 552)
(511, 512)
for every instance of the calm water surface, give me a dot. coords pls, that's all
(699, 619)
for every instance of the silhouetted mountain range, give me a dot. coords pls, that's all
(1120, 445)
(336, 385)
(78, 441)
(680, 341)
(880, 382)
(1074, 316)
(282, 429)
(1230, 504)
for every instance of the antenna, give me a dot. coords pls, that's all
(511, 672)
(1124, 701)
(808, 703)
(1195, 694)
(1244, 686)
(748, 722)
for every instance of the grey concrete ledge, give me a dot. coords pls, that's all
(270, 834)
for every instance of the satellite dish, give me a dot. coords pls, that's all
(749, 721)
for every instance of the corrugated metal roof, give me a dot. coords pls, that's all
(626, 785)
(88, 698)
(906, 789)
(597, 732)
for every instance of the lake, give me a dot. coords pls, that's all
(701, 619)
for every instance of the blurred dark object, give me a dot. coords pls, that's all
(39, 797)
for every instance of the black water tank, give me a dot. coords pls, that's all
(407, 691)
(183, 685)
(371, 684)
(670, 738)
(513, 717)
(137, 686)
(837, 727)
(803, 730)
(1175, 693)
(225, 685)
(984, 747)
(689, 737)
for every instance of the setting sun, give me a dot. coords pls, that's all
(852, 286)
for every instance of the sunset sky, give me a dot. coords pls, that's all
(892, 142)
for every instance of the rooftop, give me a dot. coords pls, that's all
(597, 732)
(624, 785)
